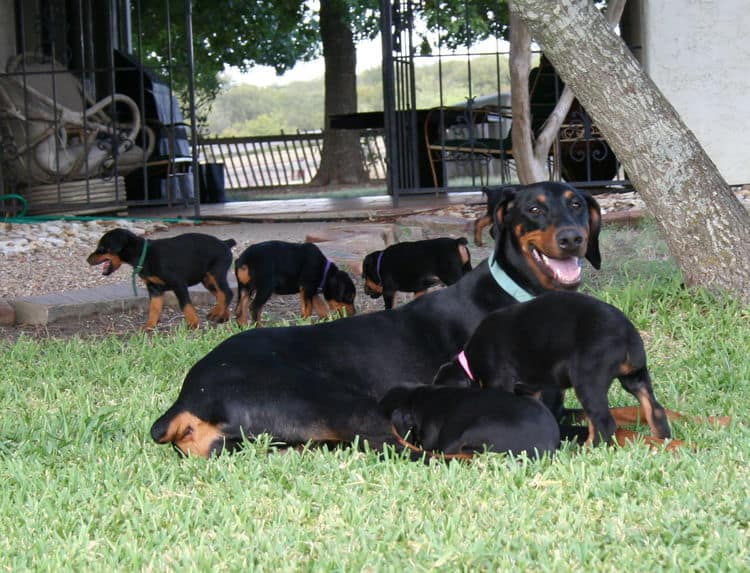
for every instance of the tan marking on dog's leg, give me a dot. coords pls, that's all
(419, 293)
(319, 305)
(463, 253)
(625, 437)
(243, 308)
(305, 304)
(156, 303)
(631, 415)
(153, 279)
(219, 312)
(479, 226)
(191, 316)
(191, 435)
(592, 434)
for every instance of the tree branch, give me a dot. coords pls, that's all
(552, 126)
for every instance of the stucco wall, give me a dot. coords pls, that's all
(696, 51)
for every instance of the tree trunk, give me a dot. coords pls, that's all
(529, 152)
(706, 226)
(341, 158)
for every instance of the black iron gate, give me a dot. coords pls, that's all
(448, 124)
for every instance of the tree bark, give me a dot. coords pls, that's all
(529, 152)
(341, 157)
(706, 226)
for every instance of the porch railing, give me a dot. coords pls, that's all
(282, 160)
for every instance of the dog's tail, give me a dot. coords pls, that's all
(230, 243)
(463, 252)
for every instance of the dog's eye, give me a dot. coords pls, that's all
(576, 204)
(535, 209)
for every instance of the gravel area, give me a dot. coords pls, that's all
(51, 257)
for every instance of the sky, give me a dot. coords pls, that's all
(369, 55)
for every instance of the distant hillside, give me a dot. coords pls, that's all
(250, 110)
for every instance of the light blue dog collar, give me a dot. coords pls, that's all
(506, 283)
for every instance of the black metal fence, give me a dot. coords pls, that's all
(282, 160)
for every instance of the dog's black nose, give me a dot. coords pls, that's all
(569, 239)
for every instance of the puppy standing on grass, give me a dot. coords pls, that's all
(414, 267)
(171, 264)
(561, 340)
(288, 268)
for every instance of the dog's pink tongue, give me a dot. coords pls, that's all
(567, 271)
(105, 267)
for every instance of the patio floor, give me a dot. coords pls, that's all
(375, 207)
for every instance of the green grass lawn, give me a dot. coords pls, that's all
(84, 488)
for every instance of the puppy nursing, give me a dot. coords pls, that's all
(465, 421)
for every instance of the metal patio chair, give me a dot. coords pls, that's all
(52, 131)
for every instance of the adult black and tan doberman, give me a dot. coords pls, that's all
(322, 382)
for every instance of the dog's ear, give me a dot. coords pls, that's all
(451, 374)
(343, 287)
(502, 197)
(367, 264)
(394, 399)
(595, 222)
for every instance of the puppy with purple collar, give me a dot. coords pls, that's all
(281, 267)
(414, 267)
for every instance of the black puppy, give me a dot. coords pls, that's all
(494, 197)
(561, 340)
(457, 421)
(414, 267)
(288, 268)
(171, 264)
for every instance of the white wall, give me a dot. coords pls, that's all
(696, 51)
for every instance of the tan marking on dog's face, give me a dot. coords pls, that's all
(337, 306)
(373, 286)
(115, 262)
(243, 274)
(191, 435)
(541, 240)
(568, 194)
